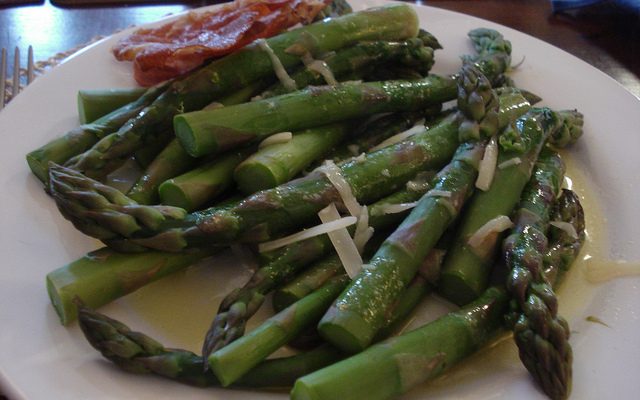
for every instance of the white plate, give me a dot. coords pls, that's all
(39, 359)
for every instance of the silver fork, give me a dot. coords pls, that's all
(15, 82)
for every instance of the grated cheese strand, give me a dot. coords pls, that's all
(342, 242)
(334, 175)
(276, 138)
(487, 168)
(496, 225)
(363, 231)
(395, 208)
(510, 162)
(317, 230)
(278, 68)
(565, 226)
(399, 137)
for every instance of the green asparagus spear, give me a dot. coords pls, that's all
(138, 353)
(344, 62)
(542, 336)
(96, 103)
(239, 305)
(394, 366)
(276, 164)
(193, 189)
(234, 360)
(82, 138)
(103, 275)
(352, 322)
(250, 64)
(466, 269)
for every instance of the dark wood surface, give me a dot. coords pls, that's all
(610, 44)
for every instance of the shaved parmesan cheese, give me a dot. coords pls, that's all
(317, 230)
(342, 242)
(363, 230)
(496, 225)
(334, 174)
(278, 68)
(565, 226)
(510, 162)
(399, 137)
(395, 208)
(487, 168)
(282, 137)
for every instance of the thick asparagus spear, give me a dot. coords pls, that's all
(250, 64)
(541, 334)
(394, 366)
(239, 305)
(353, 320)
(466, 269)
(211, 131)
(103, 275)
(82, 138)
(96, 103)
(234, 360)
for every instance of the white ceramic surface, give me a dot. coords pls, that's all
(40, 359)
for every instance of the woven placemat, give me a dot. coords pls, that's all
(41, 67)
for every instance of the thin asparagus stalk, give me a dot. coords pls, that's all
(466, 269)
(394, 366)
(541, 334)
(234, 360)
(250, 64)
(96, 103)
(78, 140)
(103, 275)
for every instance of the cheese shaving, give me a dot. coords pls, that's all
(342, 242)
(496, 225)
(363, 230)
(278, 138)
(334, 174)
(439, 193)
(278, 68)
(395, 208)
(317, 230)
(565, 226)
(399, 137)
(487, 168)
(510, 162)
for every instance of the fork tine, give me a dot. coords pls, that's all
(30, 65)
(16, 73)
(3, 76)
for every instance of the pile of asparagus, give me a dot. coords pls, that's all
(226, 153)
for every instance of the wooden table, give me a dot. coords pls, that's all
(608, 44)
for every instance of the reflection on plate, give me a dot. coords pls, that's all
(41, 359)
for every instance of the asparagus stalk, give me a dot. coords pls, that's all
(211, 131)
(250, 64)
(394, 366)
(541, 334)
(466, 270)
(276, 164)
(102, 276)
(96, 103)
(353, 320)
(195, 188)
(234, 360)
(344, 62)
(82, 138)
(239, 305)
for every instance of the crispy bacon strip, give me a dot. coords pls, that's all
(182, 45)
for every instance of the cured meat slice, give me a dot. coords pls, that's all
(180, 46)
